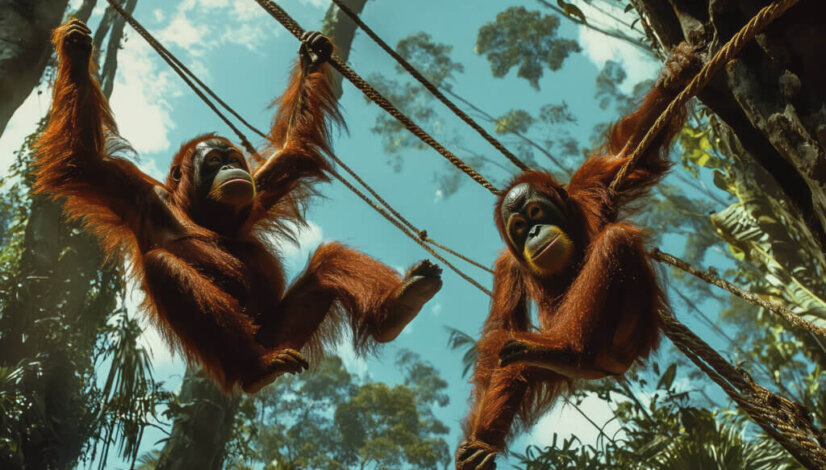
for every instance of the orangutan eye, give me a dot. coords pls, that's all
(235, 157)
(534, 211)
(518, 225)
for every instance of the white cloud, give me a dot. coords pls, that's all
(600, 48)
(245, 10)
(565, 421)
(436, 309)
(245, 35)
(315, 3)
(242, 23)
(212, 3)
(22, 124)
(199, 68)
(158, 14)
(354, 363)
(151, 168)
(139, 99)
(295, 257)
(182, 32)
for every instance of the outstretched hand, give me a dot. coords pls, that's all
(315, 49)
(73, 40)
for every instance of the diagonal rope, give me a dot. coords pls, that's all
(282, 17)
(750, 297)
(410, 234)
(433, 89)
(419, 236)
(179, 68)
(784, 420)
(787, 422)
(759, 22)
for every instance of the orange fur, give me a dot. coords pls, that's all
(600, 313)
(213, 283)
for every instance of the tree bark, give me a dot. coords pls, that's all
(64, 295)
(25, 48)
(772, 95)
(202, 429)
(338, 26)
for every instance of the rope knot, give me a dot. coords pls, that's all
(423, 235)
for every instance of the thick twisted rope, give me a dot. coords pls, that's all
(784, 420)
(410, 233)
(182, 72)
(419, 236)
(726, 53)
(282, 17)
(433, 89)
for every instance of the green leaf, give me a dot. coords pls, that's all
(668, 377)
(721, 181)
(524, 39)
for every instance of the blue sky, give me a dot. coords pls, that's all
(245, 56)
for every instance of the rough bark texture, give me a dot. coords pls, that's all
(25, 26)
(772, 96)
(202, 430)
(338, 26)
(61, 272)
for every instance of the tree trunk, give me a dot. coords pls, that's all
(65, 295)
(25, 48)
(338, 26)
(202, 428)
(772, 95)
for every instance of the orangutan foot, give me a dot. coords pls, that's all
(475, 455)
(422, 281)
(281, 362)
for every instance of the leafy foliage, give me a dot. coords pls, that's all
(433, 59)
(56, 304)
(326, 418)
(524, 39)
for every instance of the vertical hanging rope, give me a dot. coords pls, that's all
(282, 17)
(433, 89)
